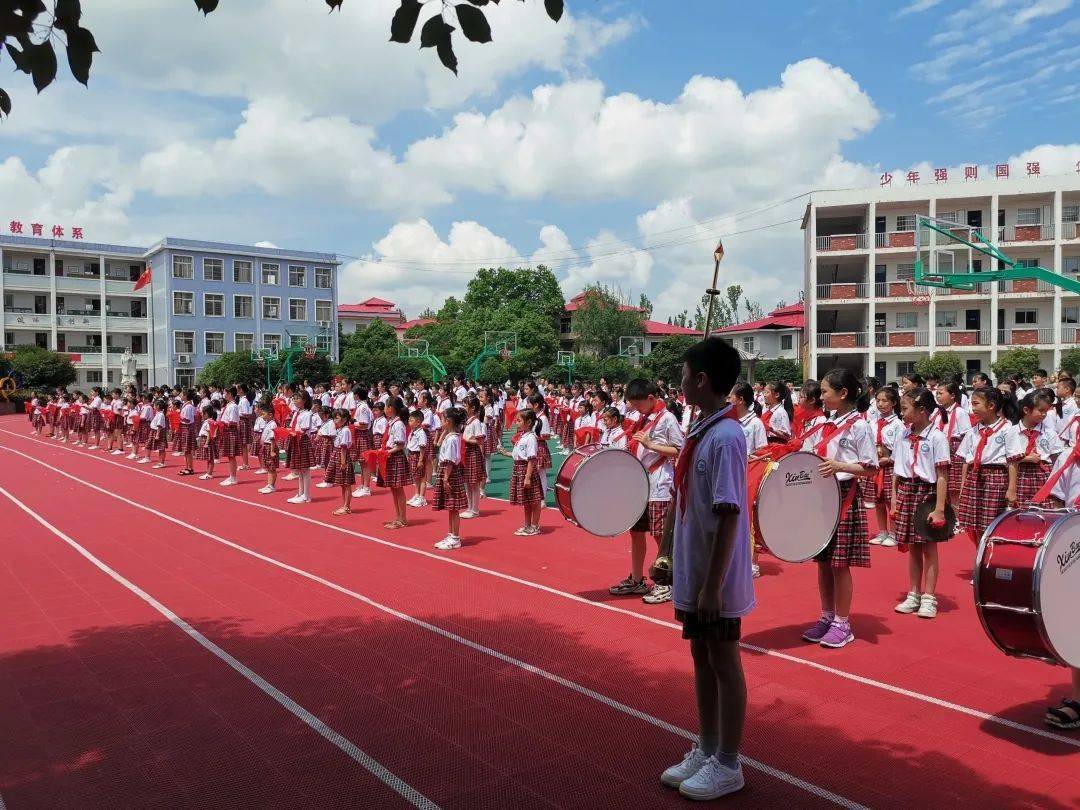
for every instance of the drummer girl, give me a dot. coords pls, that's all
(748, 410)
(877, 491)
(524, 481)
(986, 475)
(847, 446)
(810, 413)
(920, 462)
(613, 434)
(954, 422)
(1031, 449)
(777, 413)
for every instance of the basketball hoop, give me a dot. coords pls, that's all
(309, 351)
(918, 296)
(505, 353)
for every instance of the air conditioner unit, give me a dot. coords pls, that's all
(183, 359)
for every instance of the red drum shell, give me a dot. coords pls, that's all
(810, 505)
(616, 484)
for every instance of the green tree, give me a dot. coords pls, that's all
(535, 289)
(317, 369)
(377, 336)
(665, 361)
(233, 368)
(35, 367)
(779, 370)
(645, 305)
(944, 364)
(1023, 361)
(369, 368)
(1070, 361)
(600, 321)
(617, 369)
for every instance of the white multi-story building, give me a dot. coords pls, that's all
(864, 312)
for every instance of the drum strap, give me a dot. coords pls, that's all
(849, 499)
(1051, 482)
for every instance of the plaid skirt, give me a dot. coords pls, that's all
(362, 442)
(298, 453)
(956, 466)
(519, 493)
(543, 455)
(849, 545)
(143, 435)
(247, 428)
(874, 493)
(230, 441)
(185, 438)
(322, 448)
(268, 455)
(94, 421)
(475, 474)
(652, 521)
(567, 435)
(910, 492)
(159, 440)
(37, 420)
(449, 495)
(177, 435)
(208, 450)
(1029, 480)
(983, 498)
(416, 464)
(84, 421)
(397, 471)
(337, 472)
(491, 437)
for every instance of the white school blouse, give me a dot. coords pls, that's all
(855, 445)
(588, 420)
(933, 454)
(417, 441)
(328, 428)
(158, 422)
(994, 452)
(231, 414)
(525, 448)
(302, 421)
(1067, 487)
(450, 449)
(475, 429)
(378, 427)
(260, 423)
(959, 422)
(343, 437)
(893, 428)
(243, 405)
(363, 415)
(187, 413)
(397, 433)
(204, 430)
(1047, 443)
(613, 437)
(779, 424)
(268, 429)
(754, 431)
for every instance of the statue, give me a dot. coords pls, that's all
(127, 368)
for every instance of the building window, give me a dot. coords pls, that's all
(297, 309)
(243, 342)
(322, 343)
(907, 320)
(185, 378)
(271, 274)
(324, 311)
(905, 222)
(324, 279)
(183, 303)
(748, 344)
(183, 267)
(946, 319)
(905, 367)
(1070, 264)
(905, 272)
(1029, 216)
(183, 343)
(1027, 262)
(241, 271)
(786, 343)
(297, 275)
(1025, 317)
(9, 338)
(948, 216)
(298, 341)
(93, 375)
(213, 270)
(1070, 315)
(272, 341)
(271, 308)
(214, 305)
(243, 306)
(214, 342)
(1070, 213)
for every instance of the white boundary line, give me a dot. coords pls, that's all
(790, 779)
(860, 679)
(398, 785)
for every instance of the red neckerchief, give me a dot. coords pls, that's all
(830, 429)
(913, 440)
(645, 422)
(950, 417)
(802, 416)
(1051, 482)
(686, 457)
(984, 436)
(882, 424)
(386, 436)
(1033, 437)
(766, 418)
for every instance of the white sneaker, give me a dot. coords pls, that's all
(144, 460)
(158, 466)
(448, 543)
(362, 492)
(92, 447)
(313, 466)
(324, 485)
(267, 490)
(878, 539)
(295, 499)
(205, 477)
(132, 456)
(712, 781)
(412, 501)
(260, 471)
(658, 595)
(691, 764)
(927, 606)
(291, 476)
(177, 454)
(242, 467)
(889, 541)
(228, 482)
(910, 603)
(117, 453)
(468, 514)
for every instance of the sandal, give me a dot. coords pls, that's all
(342, 510)
(186, 472)
(395, 524)
(1067, 715)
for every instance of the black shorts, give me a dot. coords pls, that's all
(720, 629)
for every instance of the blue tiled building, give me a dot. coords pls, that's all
(206, 298)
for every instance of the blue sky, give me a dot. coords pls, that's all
(555, 143)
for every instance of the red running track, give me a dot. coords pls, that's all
(462, 678)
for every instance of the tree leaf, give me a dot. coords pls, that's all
(41, 61)
(446, 52)
(404, 22)
(432, 32)
(334, 4)
(474, 24)
(80, 52)
(206, 6)
(67, 15)
(5, 103)
(554, 9)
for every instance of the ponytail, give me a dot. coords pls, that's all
(744, 392)
(956, 391)
(922, 399)
(1005, 404)
(782, 392)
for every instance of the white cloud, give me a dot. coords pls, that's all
(265, 244)
(917, 7)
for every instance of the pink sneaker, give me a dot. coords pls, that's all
(818, 631)
(839, 635)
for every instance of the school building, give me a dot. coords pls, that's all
(863, 310)
(204, 299)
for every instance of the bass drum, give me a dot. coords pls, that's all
(794, 508)
(603, 490)
(1027, 584)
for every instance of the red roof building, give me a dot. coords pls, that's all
(778, 335)
(404, 327)
(358, 316)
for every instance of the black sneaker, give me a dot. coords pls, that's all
(629, 587)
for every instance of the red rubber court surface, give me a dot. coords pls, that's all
(169, 642)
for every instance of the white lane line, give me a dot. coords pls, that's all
(777, 654)
(395, 783)
(790, 779)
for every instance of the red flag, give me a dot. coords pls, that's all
(144, 279)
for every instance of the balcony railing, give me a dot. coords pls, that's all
(962, 337)
(1069, 334)
(1026, 285)
(1070, 230)
(900, 289)
(980, 289)
(20, 316)
(91, 321)
(842, 241)
(1026, 233)
(894, 239)
(841, 340)
(1021, 336)
(901, 338)
(841, 290)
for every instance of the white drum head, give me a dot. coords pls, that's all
(797, 508)
(609, 492)
(1057, 590)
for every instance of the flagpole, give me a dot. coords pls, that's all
(153, 355)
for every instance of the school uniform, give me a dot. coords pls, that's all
(397, 465)
(208, 442)
(1021, 442)
(1070, 423)
(543, 452)
(96, 422)
(299, 454)
(255, 448)
(474, 468)
(185, 442)
(982, 498)
(416, 450)
(613, 437)
(230, 431)
(268, 449)
(777, 424)
(146, 416)
(664, 428)
(754, 432)
(324, 445)
(491, 431)
(846, 439)
(362, 436)
(450, 494)
(879, 488)
(955, 424)
(159, 433)
(338, 471)
(247, 420)
(917, 458)
(37, 414)
(525, 450)
(1066, 490)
